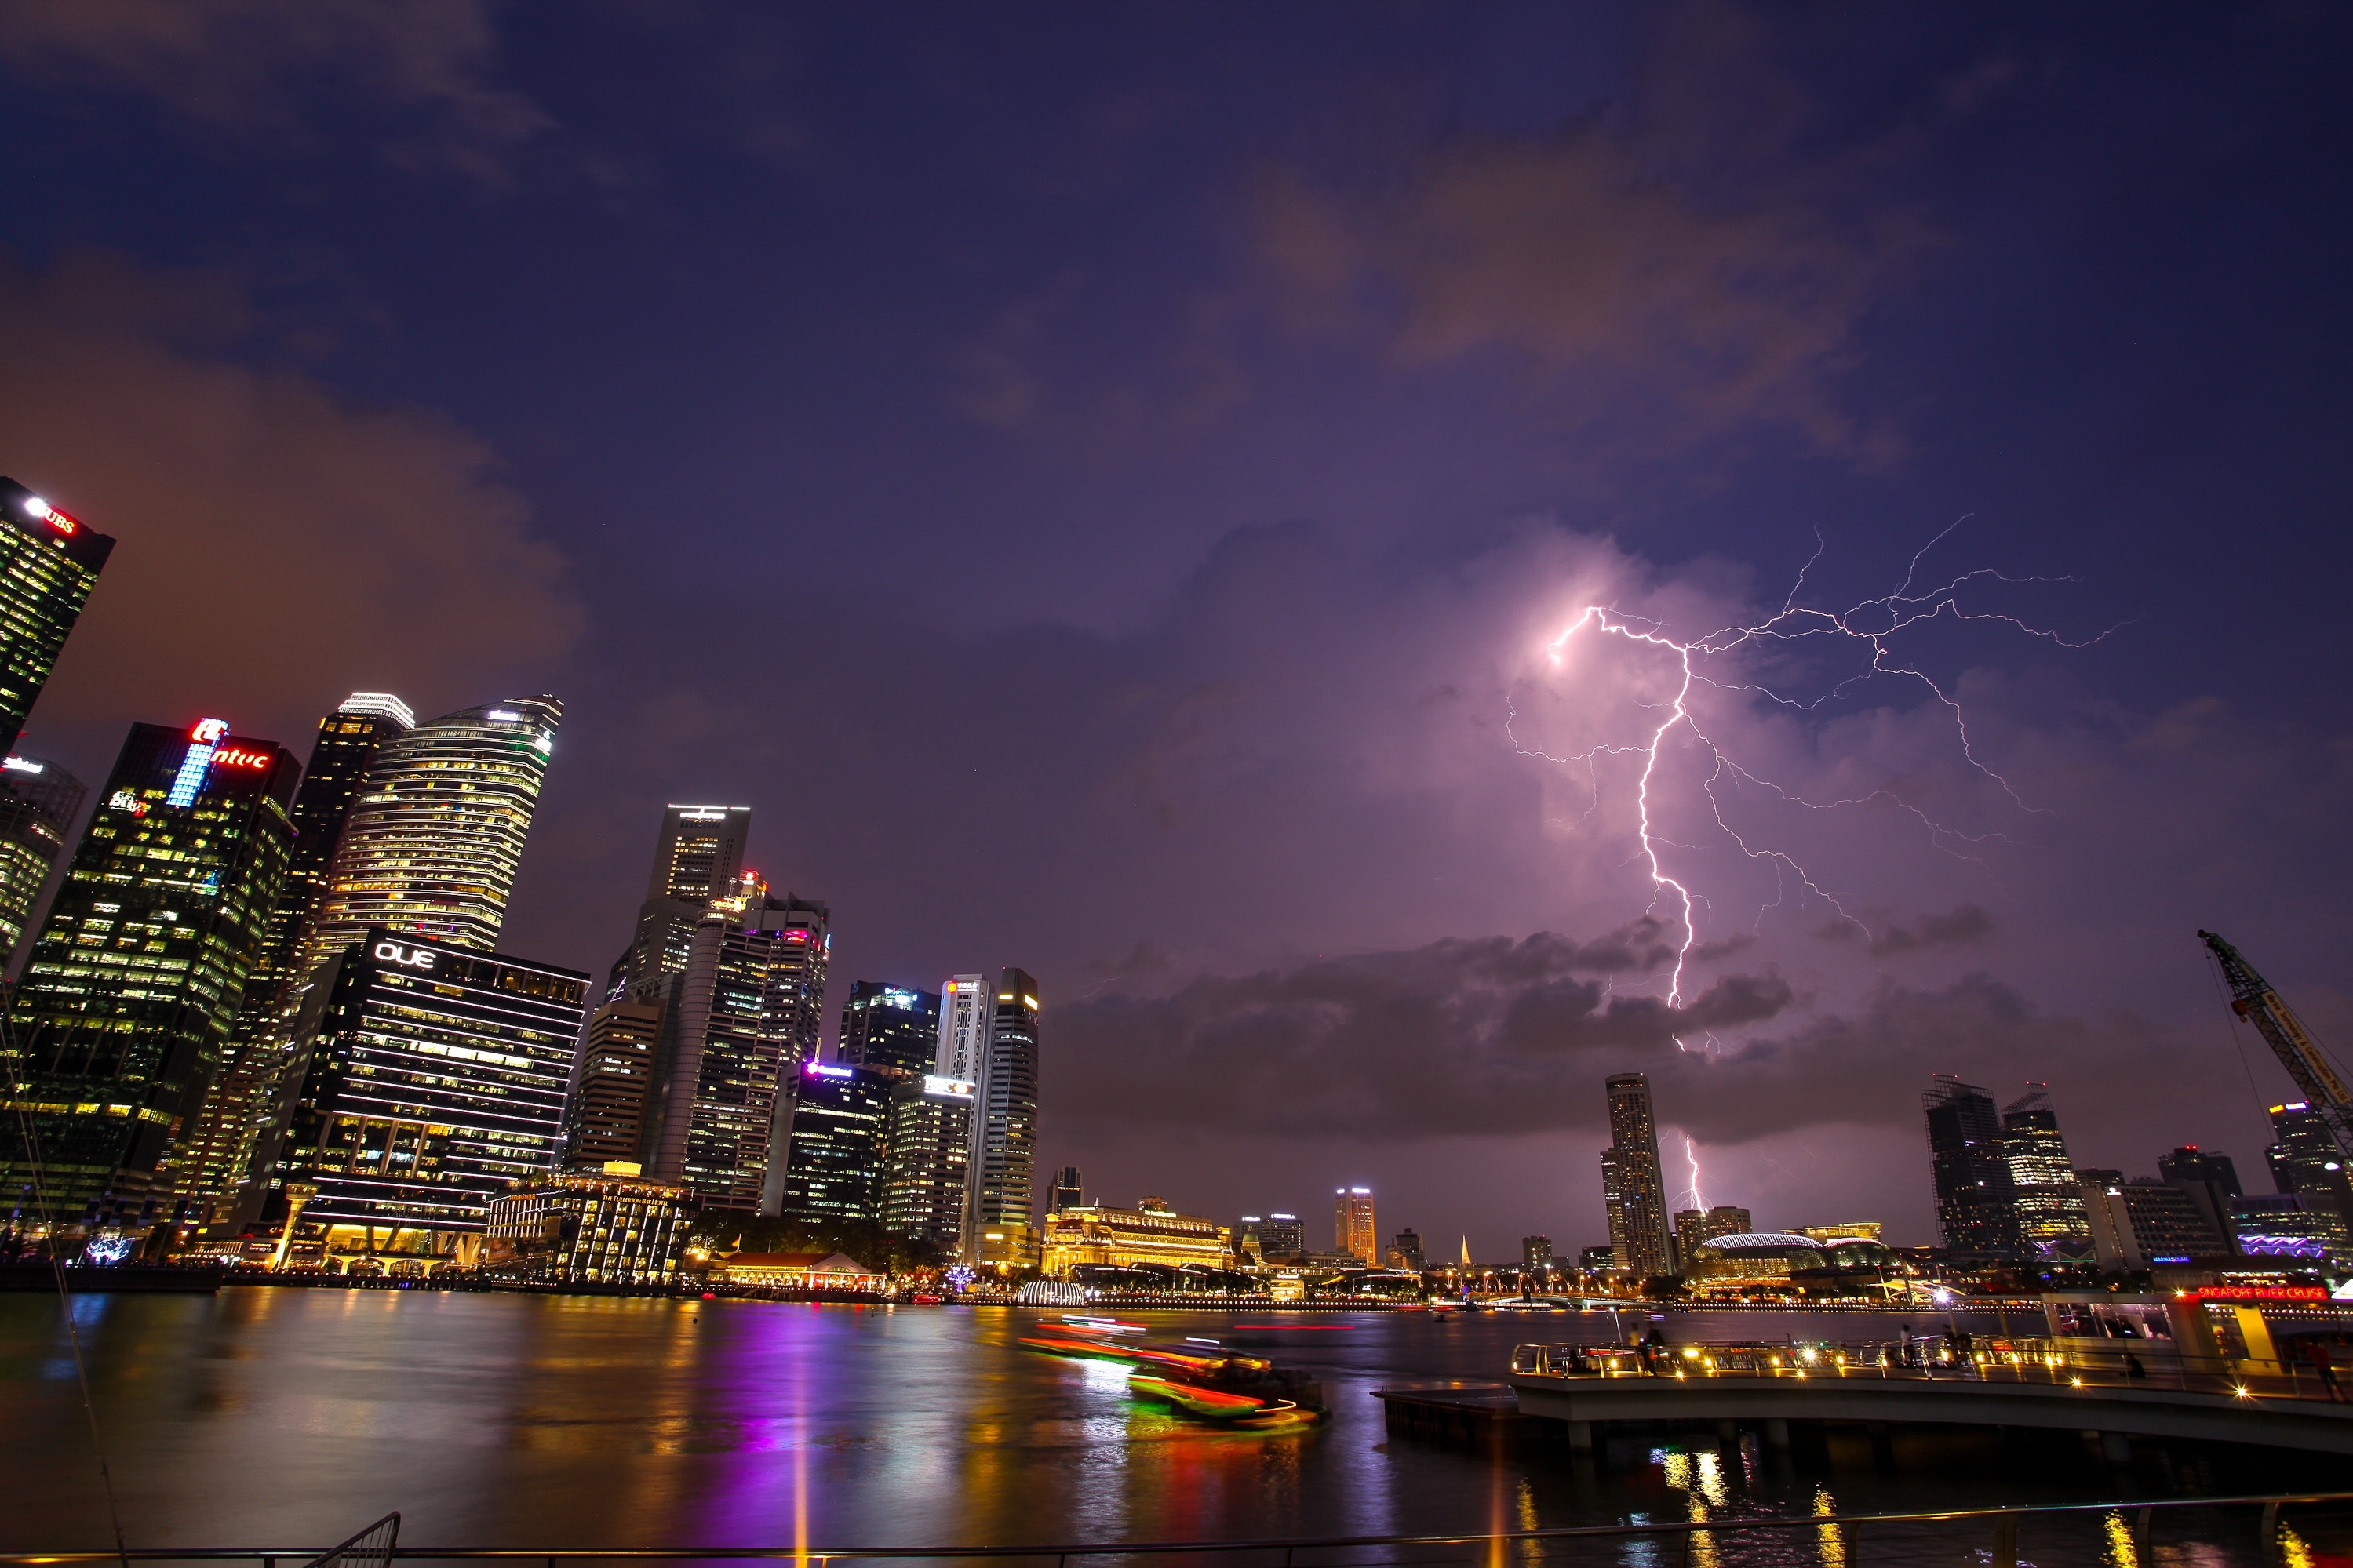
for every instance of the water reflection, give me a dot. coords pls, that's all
(285, 1417)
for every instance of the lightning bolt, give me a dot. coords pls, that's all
(1691, 1158)
(1871, 626)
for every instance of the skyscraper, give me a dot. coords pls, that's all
(1283, 1235)
(967, 1012)
(1000, 1180)
(2210, 1180)
(834, 1125)
(1536, 1252)
(2307, 1161)
(1405, 1251)
(1695, 1229)
(38, 803)
(605, 1107)
(1354, 1231)
(1975, 1208)
(127, 1003)
(425, 1079)
(928, 1146)
(889, 1027)
(2044, 1193)
(433, 843)
(247, 1085)
(1633, 1189)
(1069, 1191)
(51, 562)
(698, 855)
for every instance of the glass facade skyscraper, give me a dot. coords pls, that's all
(889, 1027)
(605, 1112)
(698, 857)
(1632, 1187)
(52, 561)
(38, 803)
(833, 1131)
(2044, 1193)
(2309, 1162)
(1001, 1177)
(927, 1145)
(425, 1079)
(1354, 1229)
(1975, 1210)
(433, 841)
(126, 1006)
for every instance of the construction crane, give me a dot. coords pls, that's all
(2253, 998)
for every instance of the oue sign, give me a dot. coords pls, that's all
(407, 957)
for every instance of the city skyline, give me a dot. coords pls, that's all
(1218, 660)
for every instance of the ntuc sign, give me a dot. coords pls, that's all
(403, 955)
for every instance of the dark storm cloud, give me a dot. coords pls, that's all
(250, 66)
(1954, 928)
(280, 545)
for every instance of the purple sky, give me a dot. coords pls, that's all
(1103, 485)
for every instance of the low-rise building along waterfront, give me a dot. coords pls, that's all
(1150, 1233)
(581, 1227)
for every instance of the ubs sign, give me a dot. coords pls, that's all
(406, 956)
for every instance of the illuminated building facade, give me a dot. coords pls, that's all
(927, 1146)
(746, 1012)
(127, 1003)
(1855, 1229)
(1001, 1175)
(1975, 1211)
(1151, 1234)
(1068, 1190)
(832, 1132)
(612, 1078)
(1694, 1229)
(2044, 1193)
(1633, 1188)
(890, 1029)
(2143, 1221)
(249, 1081)
(698, 857)
(1536, 1252)
(968, 1013)
(1283, 1235)
(433, 843)
(1354, 1231)
(2210, 1180)
(2309, 1162)
(39, 800)
(426, 1079)
(52, 561)
(586, 1227)
(1405, 1251)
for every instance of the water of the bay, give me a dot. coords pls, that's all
(289, 1418)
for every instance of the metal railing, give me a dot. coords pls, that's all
(2138, 1518)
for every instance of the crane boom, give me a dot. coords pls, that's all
(2253, 998)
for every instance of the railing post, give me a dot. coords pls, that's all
(2144, 1521)
(2005, 1540)
(2271, 1528)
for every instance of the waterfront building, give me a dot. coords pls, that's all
(1695, 1228)
(1634, 1190)
(1283, 1235)
(39, 802)
(743, 1014)
(698, 857)
(2309, 1162)
(2143, 1221)
(1150, 1235)
(1536, 1252)
(432, 845)
(1405, 1251)
(830, 1133)
(51, 562)
(1250, 1246)
(1779, 1262)
(127, 1001)
(1068, 1190)
(247, 1083)
(1974, 1211)
(799, 1271)
(890, 1029)
(612, 1076)
(2276, 1225)
(1002, 1173)
(425, 1080)
(2044, 1193)
(926, 1147)
(1862, 1229)
(586, 1227)
(2210, 1180)
(1353, 1233)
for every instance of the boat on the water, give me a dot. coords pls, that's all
(1198, 1377)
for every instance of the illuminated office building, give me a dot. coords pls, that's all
(426, 1079)
(1068, 1190)
(1405, 1251)
(38, 803)
(52, 559)
(926, 1147)
(126, 1006)
(2044, 1193)
(1283, 1235)
(585, 1229)
(1536, 1252)
(248, 1082)
(432, 845)
(1353, 1230)
(2210, 1180)
(1150, 1235)
(1000, 1179)
(968, 1013)
(745, 1010)
(2309, 1162)
(832, 1132)
(698, 857)
(1974, 1211)
(1634, 1190)
(889, 1027)
(1694, 1229)
(612, 1078)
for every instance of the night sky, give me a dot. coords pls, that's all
(1102, 483)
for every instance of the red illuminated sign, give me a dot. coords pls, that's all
(2260, 1293)
(237, 757)
(61, 523)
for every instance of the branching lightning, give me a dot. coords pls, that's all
(1870, 626)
